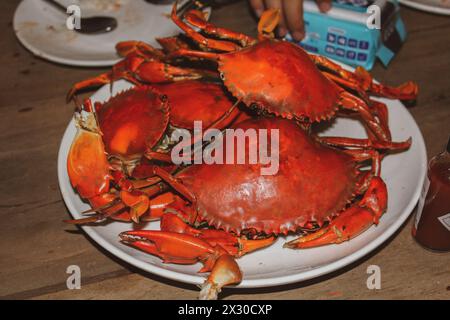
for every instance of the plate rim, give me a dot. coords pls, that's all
(425, 7)
(50, 57)
(250, 283)
(57, 59)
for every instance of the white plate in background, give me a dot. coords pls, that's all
(433, 6)
(41, 28)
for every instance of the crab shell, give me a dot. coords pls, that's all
(313, 184)
(197, 101)
(280, 78)
(133, 121)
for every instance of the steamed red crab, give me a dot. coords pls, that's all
(319, 189)
(118, 143)
(105, 148)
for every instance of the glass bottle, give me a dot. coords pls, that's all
(432, 223)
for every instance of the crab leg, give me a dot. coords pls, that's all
(143, 205)
(171, 44)
(137, 69)
(104, 212)
(197, 19)
(365, 143)
(235, 246)
(348, 84)
(95, 82)
(214, 44)
(125, 48)
(174, 183)
(195, 54)
(158, 156)
(381, 111)
(379, 108)
(367, 152)
(171, 180)
(144, 61)
(137, 201)
(160, 72)
(364, 155)
(351, 222)
(334, 67)
(406, 91)
(146, 204)
(267, 24)
(355, 104)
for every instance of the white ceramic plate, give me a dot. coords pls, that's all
(433, 6)
(404, 174)
(42, 29)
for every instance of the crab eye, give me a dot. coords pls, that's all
(255, 107)
(222, 76)
(304, 119)
(163, 98)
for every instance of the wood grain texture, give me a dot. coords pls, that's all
(37, 247)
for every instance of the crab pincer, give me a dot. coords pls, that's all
(351, 222)
(187, 249)
(179, 243)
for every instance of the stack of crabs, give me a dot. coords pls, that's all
(327, 189)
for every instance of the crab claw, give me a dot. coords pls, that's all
(182, 248)
(268, 22)
(87, 165)
(351, 222)
(173, 247)
(225, 272)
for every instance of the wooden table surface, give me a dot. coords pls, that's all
(36, 247)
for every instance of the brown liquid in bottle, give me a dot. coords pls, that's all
(432, 224)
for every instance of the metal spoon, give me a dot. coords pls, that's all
(90, 25)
